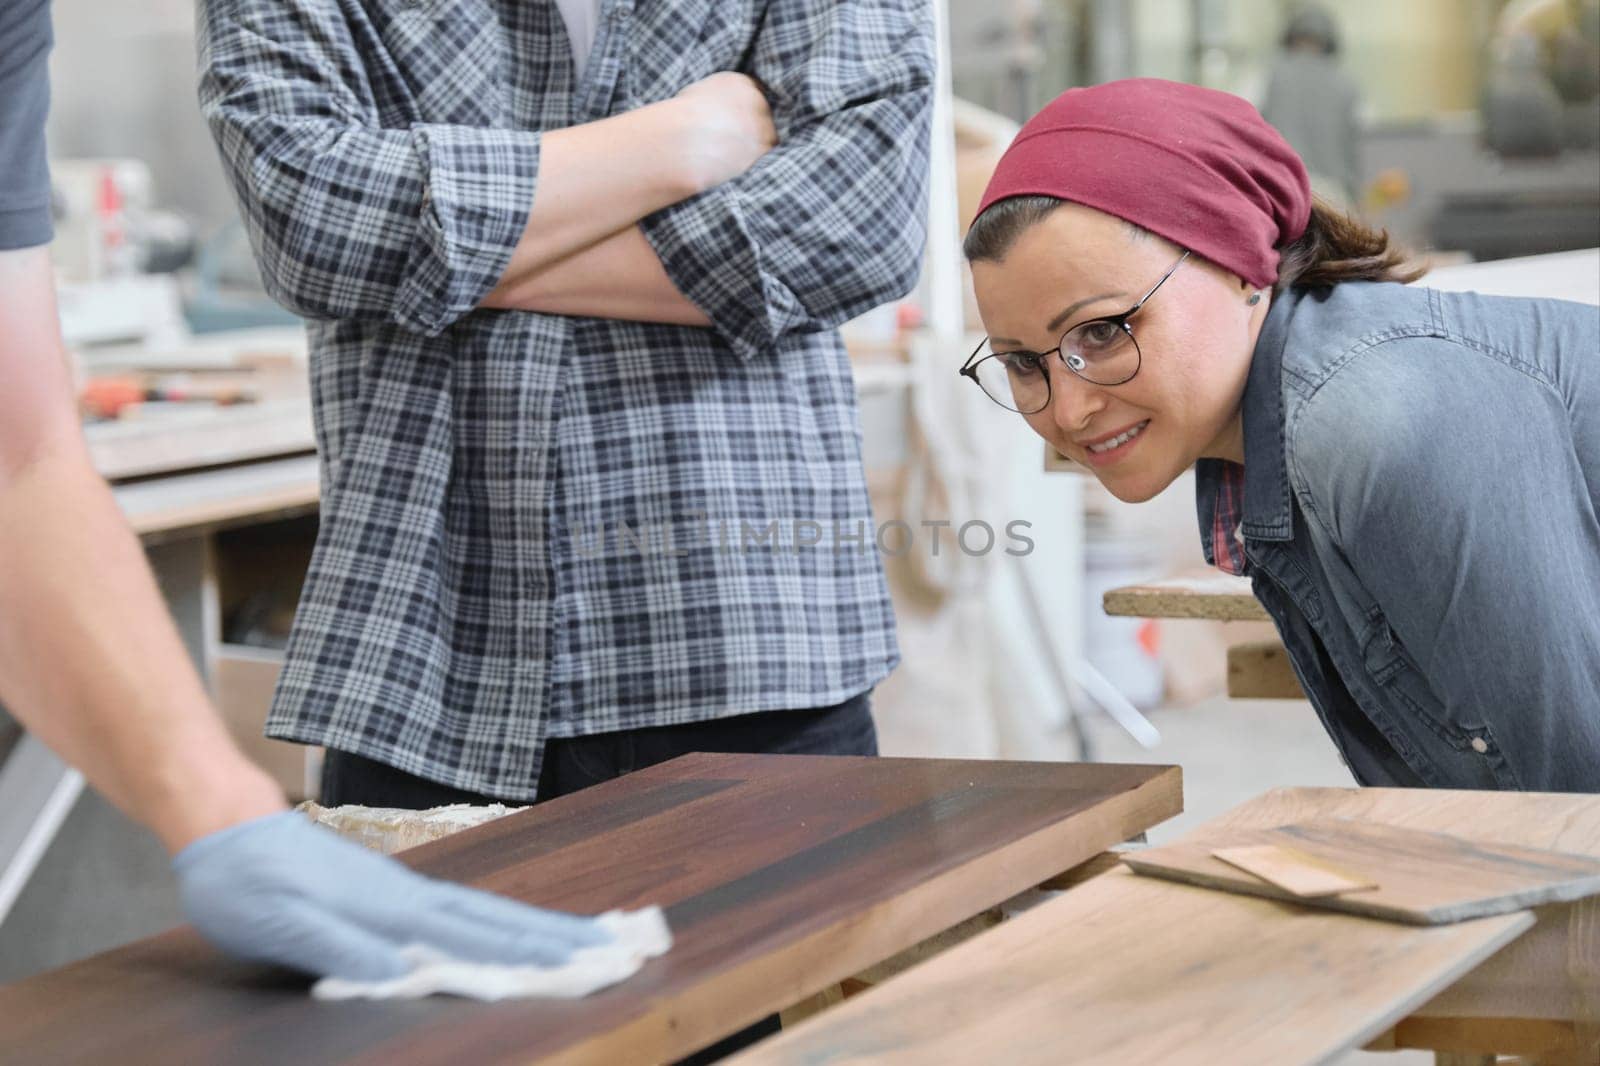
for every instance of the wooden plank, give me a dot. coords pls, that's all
(1087, 870)
(1142, 972)
(1213, 595)
(1551, 973)
(780, 875)
(1539, 1038)
(1133, 970)
(205, 437)
(1422, 878)
(1260, 670)
(811, 1006)
(1294, 871)
(215, 499)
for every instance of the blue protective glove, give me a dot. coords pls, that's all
(280, 889)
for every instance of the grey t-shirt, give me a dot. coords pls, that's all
(24, 100)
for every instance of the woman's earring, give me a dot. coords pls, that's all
(1255, 298)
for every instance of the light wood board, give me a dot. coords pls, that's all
(1132, 970)
(1260, 670)
(1551, 973)
(207, 436)
(1422, 878)
(1140, 972)
(1214, 595)
(214, 499)
(1294, 871)
(780, 875)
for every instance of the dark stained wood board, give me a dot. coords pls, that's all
(1422, 878)
(780, 875)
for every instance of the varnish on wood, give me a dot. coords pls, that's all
(780, 875)
(1402, 875)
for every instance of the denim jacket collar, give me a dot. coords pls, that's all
(1268, 505)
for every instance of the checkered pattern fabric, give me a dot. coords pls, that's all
(540, 526)
(1222, 542)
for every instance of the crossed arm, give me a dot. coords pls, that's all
(690, 210)
(582, 252)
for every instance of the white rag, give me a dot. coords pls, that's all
(637, 936)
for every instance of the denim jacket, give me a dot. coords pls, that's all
(1422, 482)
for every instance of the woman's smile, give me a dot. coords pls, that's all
(1115, 447)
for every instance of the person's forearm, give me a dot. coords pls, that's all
(92, 665)
(597, 179)
(620, 277)
(89, 660)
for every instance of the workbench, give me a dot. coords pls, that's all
(1134, 970)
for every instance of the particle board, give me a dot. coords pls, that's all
(1217, 596)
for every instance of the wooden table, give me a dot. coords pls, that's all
(780, 875)
(196, 502)
(1133, 970)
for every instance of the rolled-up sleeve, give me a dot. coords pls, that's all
(831, 222)
(349, 219)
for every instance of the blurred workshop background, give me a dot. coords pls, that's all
(1470, 129)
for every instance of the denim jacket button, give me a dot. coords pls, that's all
(1480, 745)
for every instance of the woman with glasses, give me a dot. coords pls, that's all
(1410, 478)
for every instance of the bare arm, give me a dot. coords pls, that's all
(620, 277)
(600, 178)
(581, 252)
(89, 660)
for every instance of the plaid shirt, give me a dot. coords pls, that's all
(1220, 487)
(535, 525)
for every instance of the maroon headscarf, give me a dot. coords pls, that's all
(1199, 167)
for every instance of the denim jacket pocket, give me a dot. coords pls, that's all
(1406, 692)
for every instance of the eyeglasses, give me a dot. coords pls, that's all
(1102, 351)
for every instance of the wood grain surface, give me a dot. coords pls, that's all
(1551, 973)
(1134, 970)
(1260, 670)
(1293, 871)
(1418, 877)
(780, 875)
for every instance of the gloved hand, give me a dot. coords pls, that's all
(280, 889)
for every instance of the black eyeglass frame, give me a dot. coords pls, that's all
(970, 368)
